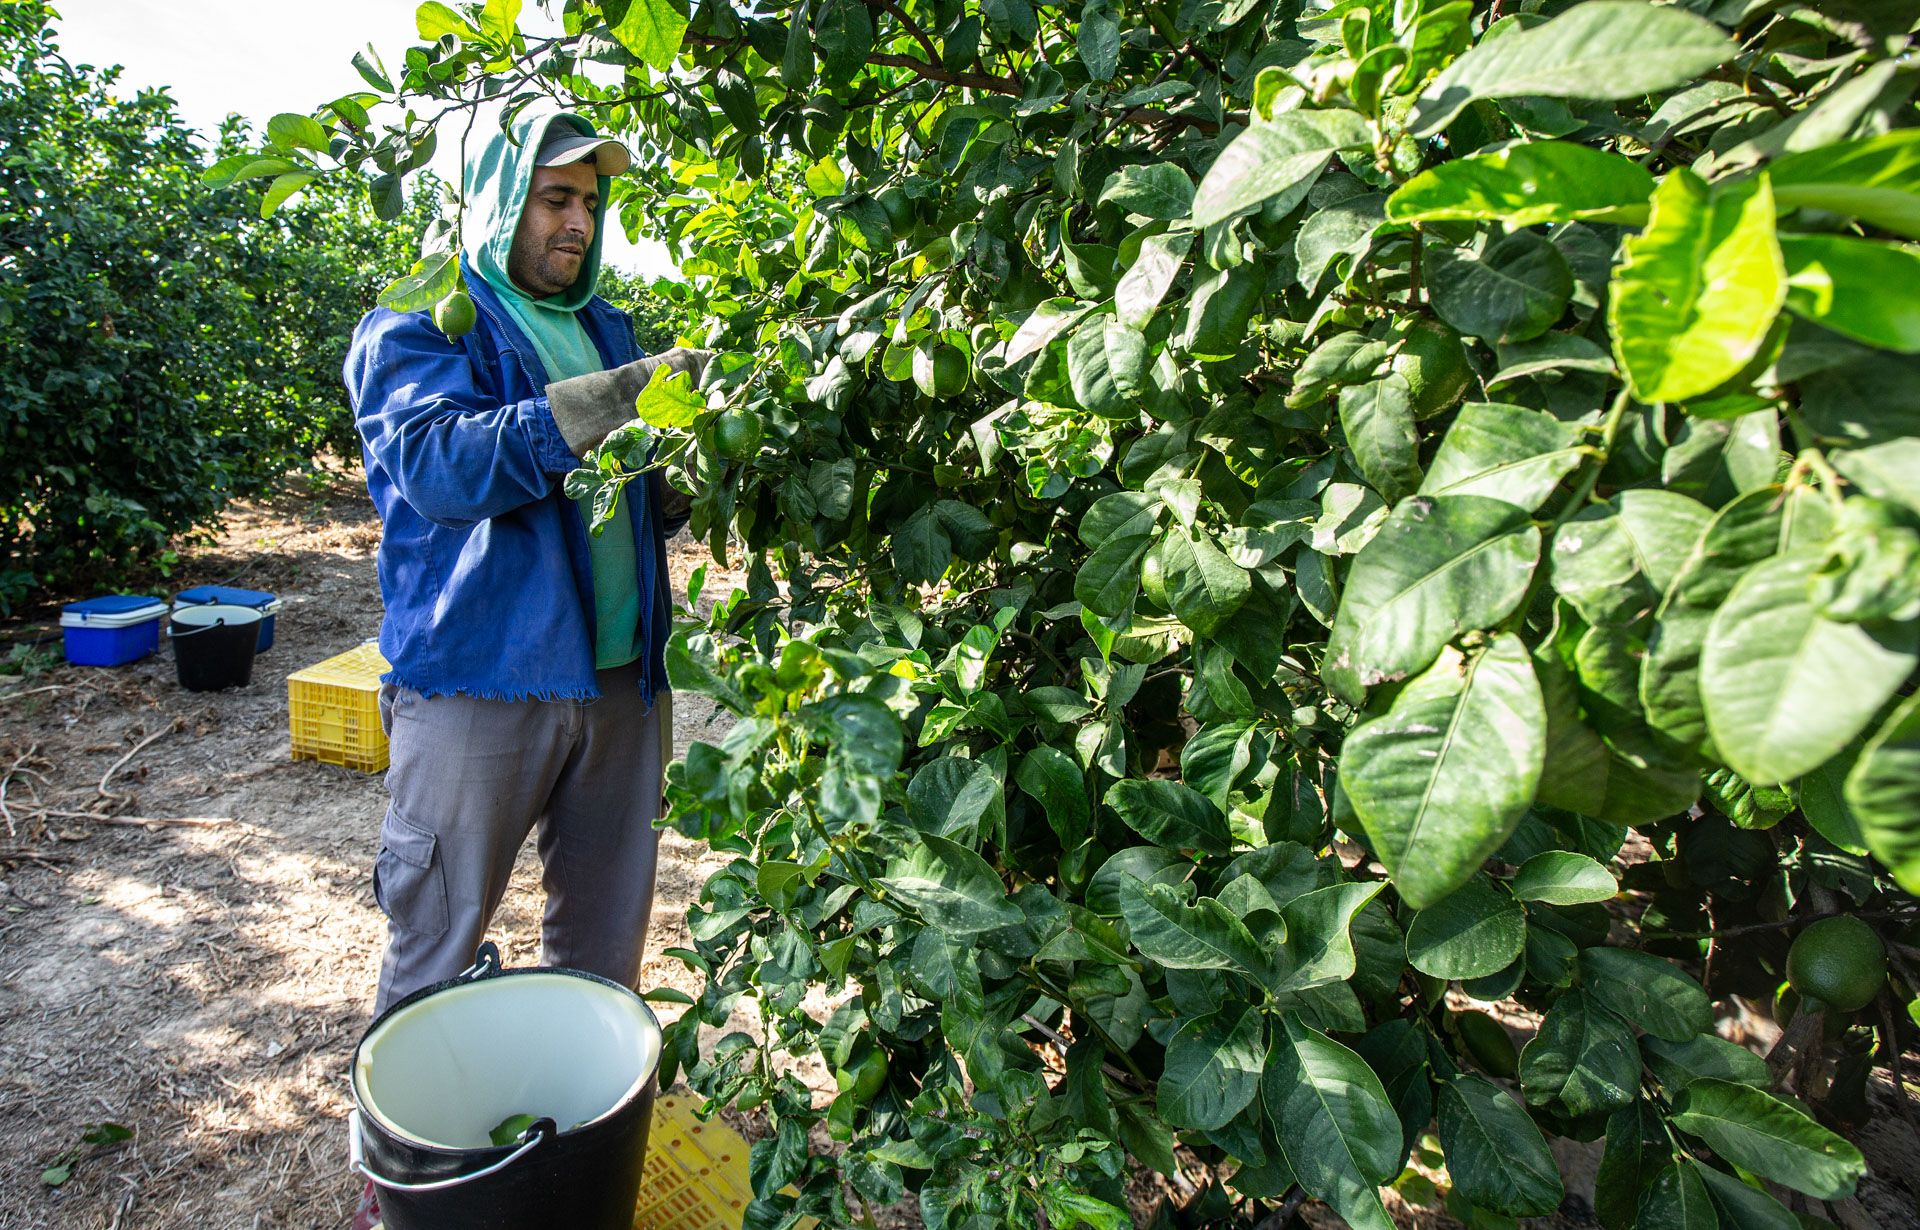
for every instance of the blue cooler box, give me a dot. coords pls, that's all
(112, 630)
(267, 604)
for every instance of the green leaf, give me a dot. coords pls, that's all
(283, 187)
(1562, 877)
(1583, 1057)
(1203, 935)
(1637, 1149)
(669, 401)
(245, 166)
(1114, 881)
(367, 64)
(289, 130)
(1676, 1200)
(1319, 948)
(1752, 528)
(1334, 1122)
(652, 30)
(1495, 1155)
(1442, 778)
(1528, 184)
(796, 59)
(1156, 190)
(1883, 792)
(1205, 587)
(921, 548)
(1171, 815)
(1505, 453)
(1650, 991)
(1476, 930)
(1054, 781)
(1438, 567)
(1614, 561)
(1744, 1206)
(951, 887)
(429, 282)
(1679, 1064)
(434, 20)
(1603, 49)
(1516, 289)
(1377, 418)
(1099, 41)
(1876, 180)
(1855, 287)
(1768, 670)
(958, 799)
(1759, 1133)
(1213, 1069)
(1147, 280)
(1699, 290)
(498, 21)
(1273, 158)
(1342, 229)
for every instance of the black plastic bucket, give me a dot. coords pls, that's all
(438, 1071)
(213, 646)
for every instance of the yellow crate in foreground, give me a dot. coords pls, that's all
(696, 1174)
(334, 710)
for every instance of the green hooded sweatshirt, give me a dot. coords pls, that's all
(496, 191)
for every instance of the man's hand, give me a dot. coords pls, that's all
(589, 407)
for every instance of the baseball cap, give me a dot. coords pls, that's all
(608, 156)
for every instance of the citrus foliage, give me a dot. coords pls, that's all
(162, 349)
(1258, 506)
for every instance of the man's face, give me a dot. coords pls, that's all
(556, 228)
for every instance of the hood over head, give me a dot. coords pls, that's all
(495, 187)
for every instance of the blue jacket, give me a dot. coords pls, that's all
(483, 565)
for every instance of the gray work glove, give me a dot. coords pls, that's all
(589, 407)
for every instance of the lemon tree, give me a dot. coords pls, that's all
(1277, 523)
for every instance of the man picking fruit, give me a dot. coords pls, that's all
(528, 689)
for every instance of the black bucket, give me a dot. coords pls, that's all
(213, 646)
(438, 1071)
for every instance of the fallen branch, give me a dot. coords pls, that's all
(102, 791)
(198, 822)
(6, 779)
(54, 687)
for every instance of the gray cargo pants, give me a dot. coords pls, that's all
(471, 778)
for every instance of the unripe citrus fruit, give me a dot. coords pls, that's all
(736, 435)
(941, 372)
(454, 314)
(1838, 961)
(1153, 579)
(1434, 362)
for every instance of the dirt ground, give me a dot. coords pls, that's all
(204, 984)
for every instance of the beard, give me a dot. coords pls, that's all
(547, 271)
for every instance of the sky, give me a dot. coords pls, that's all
(262, 57)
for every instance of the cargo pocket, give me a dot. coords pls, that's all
(408, 880)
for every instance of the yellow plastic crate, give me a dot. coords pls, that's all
(696, 1173)
(334, 711)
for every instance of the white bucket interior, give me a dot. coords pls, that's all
(197, 617)
(447, 1070)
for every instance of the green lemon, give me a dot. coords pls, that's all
(942, 371)
(1838, 961)
(1488, 1042)
(1434, 361)
(736, 435)
(864, 1078)
(1153, 579)
(454, 314)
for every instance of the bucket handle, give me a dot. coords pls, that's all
(486, 963)
(357, 1154)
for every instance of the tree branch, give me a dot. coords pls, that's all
(912, 27)
(934, 72)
